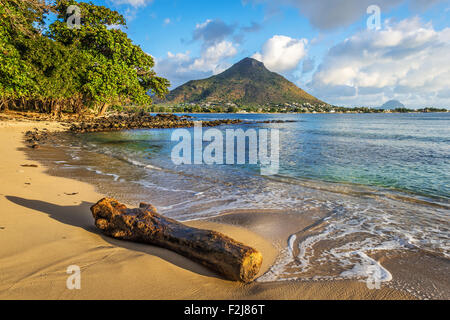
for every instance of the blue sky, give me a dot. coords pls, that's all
(325, 47)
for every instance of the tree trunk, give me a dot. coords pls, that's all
(55, 108)
(103, 110)
(214, 250)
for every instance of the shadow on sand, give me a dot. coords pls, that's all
(80, 216)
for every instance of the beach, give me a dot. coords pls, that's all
(46, 226)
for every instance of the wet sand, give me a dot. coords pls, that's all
(46, 226)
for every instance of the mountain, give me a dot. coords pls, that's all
(392, 104)
(247, 82)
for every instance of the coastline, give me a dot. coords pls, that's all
(45, 228)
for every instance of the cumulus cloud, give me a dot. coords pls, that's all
(407, 61)
(182, 67)
(331, 14)
(215, 52)
(282, 53)
(211, 58)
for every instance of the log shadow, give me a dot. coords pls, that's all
(80, 216)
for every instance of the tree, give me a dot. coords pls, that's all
(18, 22)
(118, 71)
(55, 67)
(232, 109)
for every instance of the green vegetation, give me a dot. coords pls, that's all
(45, 66)
(431, 109)
(54, 68)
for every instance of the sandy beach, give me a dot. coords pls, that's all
(46, 226)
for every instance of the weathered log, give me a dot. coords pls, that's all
(212, 249)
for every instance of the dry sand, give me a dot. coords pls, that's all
(44, 229)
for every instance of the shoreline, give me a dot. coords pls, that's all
(47, 227)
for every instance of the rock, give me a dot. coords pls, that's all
(142, 120)
(212, 249)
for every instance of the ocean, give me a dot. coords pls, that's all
(372, 182)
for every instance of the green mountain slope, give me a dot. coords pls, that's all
(247, 82)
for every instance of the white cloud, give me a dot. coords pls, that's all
(215, 51)
(203, 25)
(282, 53)
(211, 58)
(167, 21)
(407, 61)
(181, 67)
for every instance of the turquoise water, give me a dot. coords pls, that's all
(371, 182)
(406, 152)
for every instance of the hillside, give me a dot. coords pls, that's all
(248, 82)
(392, 104)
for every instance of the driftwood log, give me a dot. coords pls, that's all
(214, 250)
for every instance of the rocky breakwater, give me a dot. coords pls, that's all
(142, 121)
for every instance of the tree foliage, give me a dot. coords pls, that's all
(53, 67)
